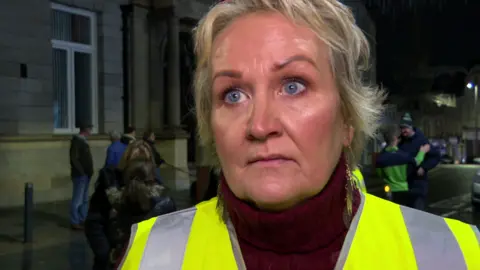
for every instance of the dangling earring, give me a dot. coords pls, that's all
(349, 187)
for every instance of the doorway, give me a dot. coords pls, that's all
(187, 68)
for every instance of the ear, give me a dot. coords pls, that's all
(349, 132)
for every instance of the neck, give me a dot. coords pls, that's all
(318, 220)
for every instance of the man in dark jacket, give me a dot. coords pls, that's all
(81, 163)
(411, 141)
(392, 165)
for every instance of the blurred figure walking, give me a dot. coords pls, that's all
(149, 137)
(115, 150)
(101, 228)
(81, 163)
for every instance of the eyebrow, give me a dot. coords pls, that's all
(228, 73)
(295, 58)
(276, 67)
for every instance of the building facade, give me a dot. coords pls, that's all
(60, 64)
(110, 63)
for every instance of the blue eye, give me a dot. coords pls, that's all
(234, 96)
(293, 87)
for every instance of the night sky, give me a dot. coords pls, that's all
(427, 35)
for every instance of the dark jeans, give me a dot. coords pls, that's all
(419, 202)
(401, 197)
(79, 204)
(418, 194)
(95, 231)
(158, 176)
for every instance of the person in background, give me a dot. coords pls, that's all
(412, 140)
(81, 163)
(129, 135)
(149, 137)
(393, 165)
(115, 150)
(142, 198)
(107, 193)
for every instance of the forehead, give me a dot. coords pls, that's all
(265, 37)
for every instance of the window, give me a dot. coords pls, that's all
(74, 68)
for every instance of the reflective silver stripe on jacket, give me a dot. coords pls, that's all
(167, 241)
(433, 243)
(168, 238)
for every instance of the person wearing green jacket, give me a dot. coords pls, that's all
(393, 165)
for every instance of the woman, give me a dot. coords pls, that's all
(149, 137)
(107, 192)
(141, 198)
(280, 101)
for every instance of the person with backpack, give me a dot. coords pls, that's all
(107, 192)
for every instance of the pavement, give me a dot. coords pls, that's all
(55, 246)
(449, 191)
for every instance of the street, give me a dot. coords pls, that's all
(450, 192)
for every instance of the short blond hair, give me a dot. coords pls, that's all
(334, 24)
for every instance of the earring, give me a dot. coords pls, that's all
(349, 188)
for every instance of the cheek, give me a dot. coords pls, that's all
(322, 134)
(227, 135)
(324, 121)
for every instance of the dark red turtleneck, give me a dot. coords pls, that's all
(306, 237)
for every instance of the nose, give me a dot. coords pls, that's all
(264, 119)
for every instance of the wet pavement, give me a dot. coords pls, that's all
(449, 192)
(55, 246)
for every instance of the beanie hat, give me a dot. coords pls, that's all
(406, 121)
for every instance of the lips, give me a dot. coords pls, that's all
(268, 158)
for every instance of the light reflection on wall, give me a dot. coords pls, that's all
(445, 100)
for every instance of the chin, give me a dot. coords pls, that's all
(272, 196)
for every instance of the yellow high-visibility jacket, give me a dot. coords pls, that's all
(382, 235)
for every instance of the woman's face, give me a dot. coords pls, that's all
(276, 114)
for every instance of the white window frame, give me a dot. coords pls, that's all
(71, 48)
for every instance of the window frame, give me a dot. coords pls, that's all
(71, 48)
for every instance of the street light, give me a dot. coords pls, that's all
(471, 85)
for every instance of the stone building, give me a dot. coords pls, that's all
(60, 62)
(112, 63)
